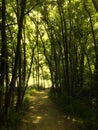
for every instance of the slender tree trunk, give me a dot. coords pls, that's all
(3, 53)
(29, 73)
(71, 56)
(19, 88)
(24, 57)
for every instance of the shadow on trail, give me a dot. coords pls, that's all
(43, 114)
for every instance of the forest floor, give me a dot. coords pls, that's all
(43, 114)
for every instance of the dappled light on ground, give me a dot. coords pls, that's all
(43, 114)
(36, 119)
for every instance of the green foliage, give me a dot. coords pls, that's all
(30, 91)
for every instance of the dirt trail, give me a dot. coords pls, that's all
(44, 115)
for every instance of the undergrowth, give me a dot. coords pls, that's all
(15, 116)
(76, 108)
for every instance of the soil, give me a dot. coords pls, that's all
(43, 114)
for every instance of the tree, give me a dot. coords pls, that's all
(4, 57)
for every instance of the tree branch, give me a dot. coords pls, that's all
(31, 9)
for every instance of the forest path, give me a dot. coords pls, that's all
(43, 114)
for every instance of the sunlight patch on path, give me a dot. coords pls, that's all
(44, 115)
(36, 119)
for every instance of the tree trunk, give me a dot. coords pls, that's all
(65, 45)
(4, 59)
(16, 64)
(95, 2)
